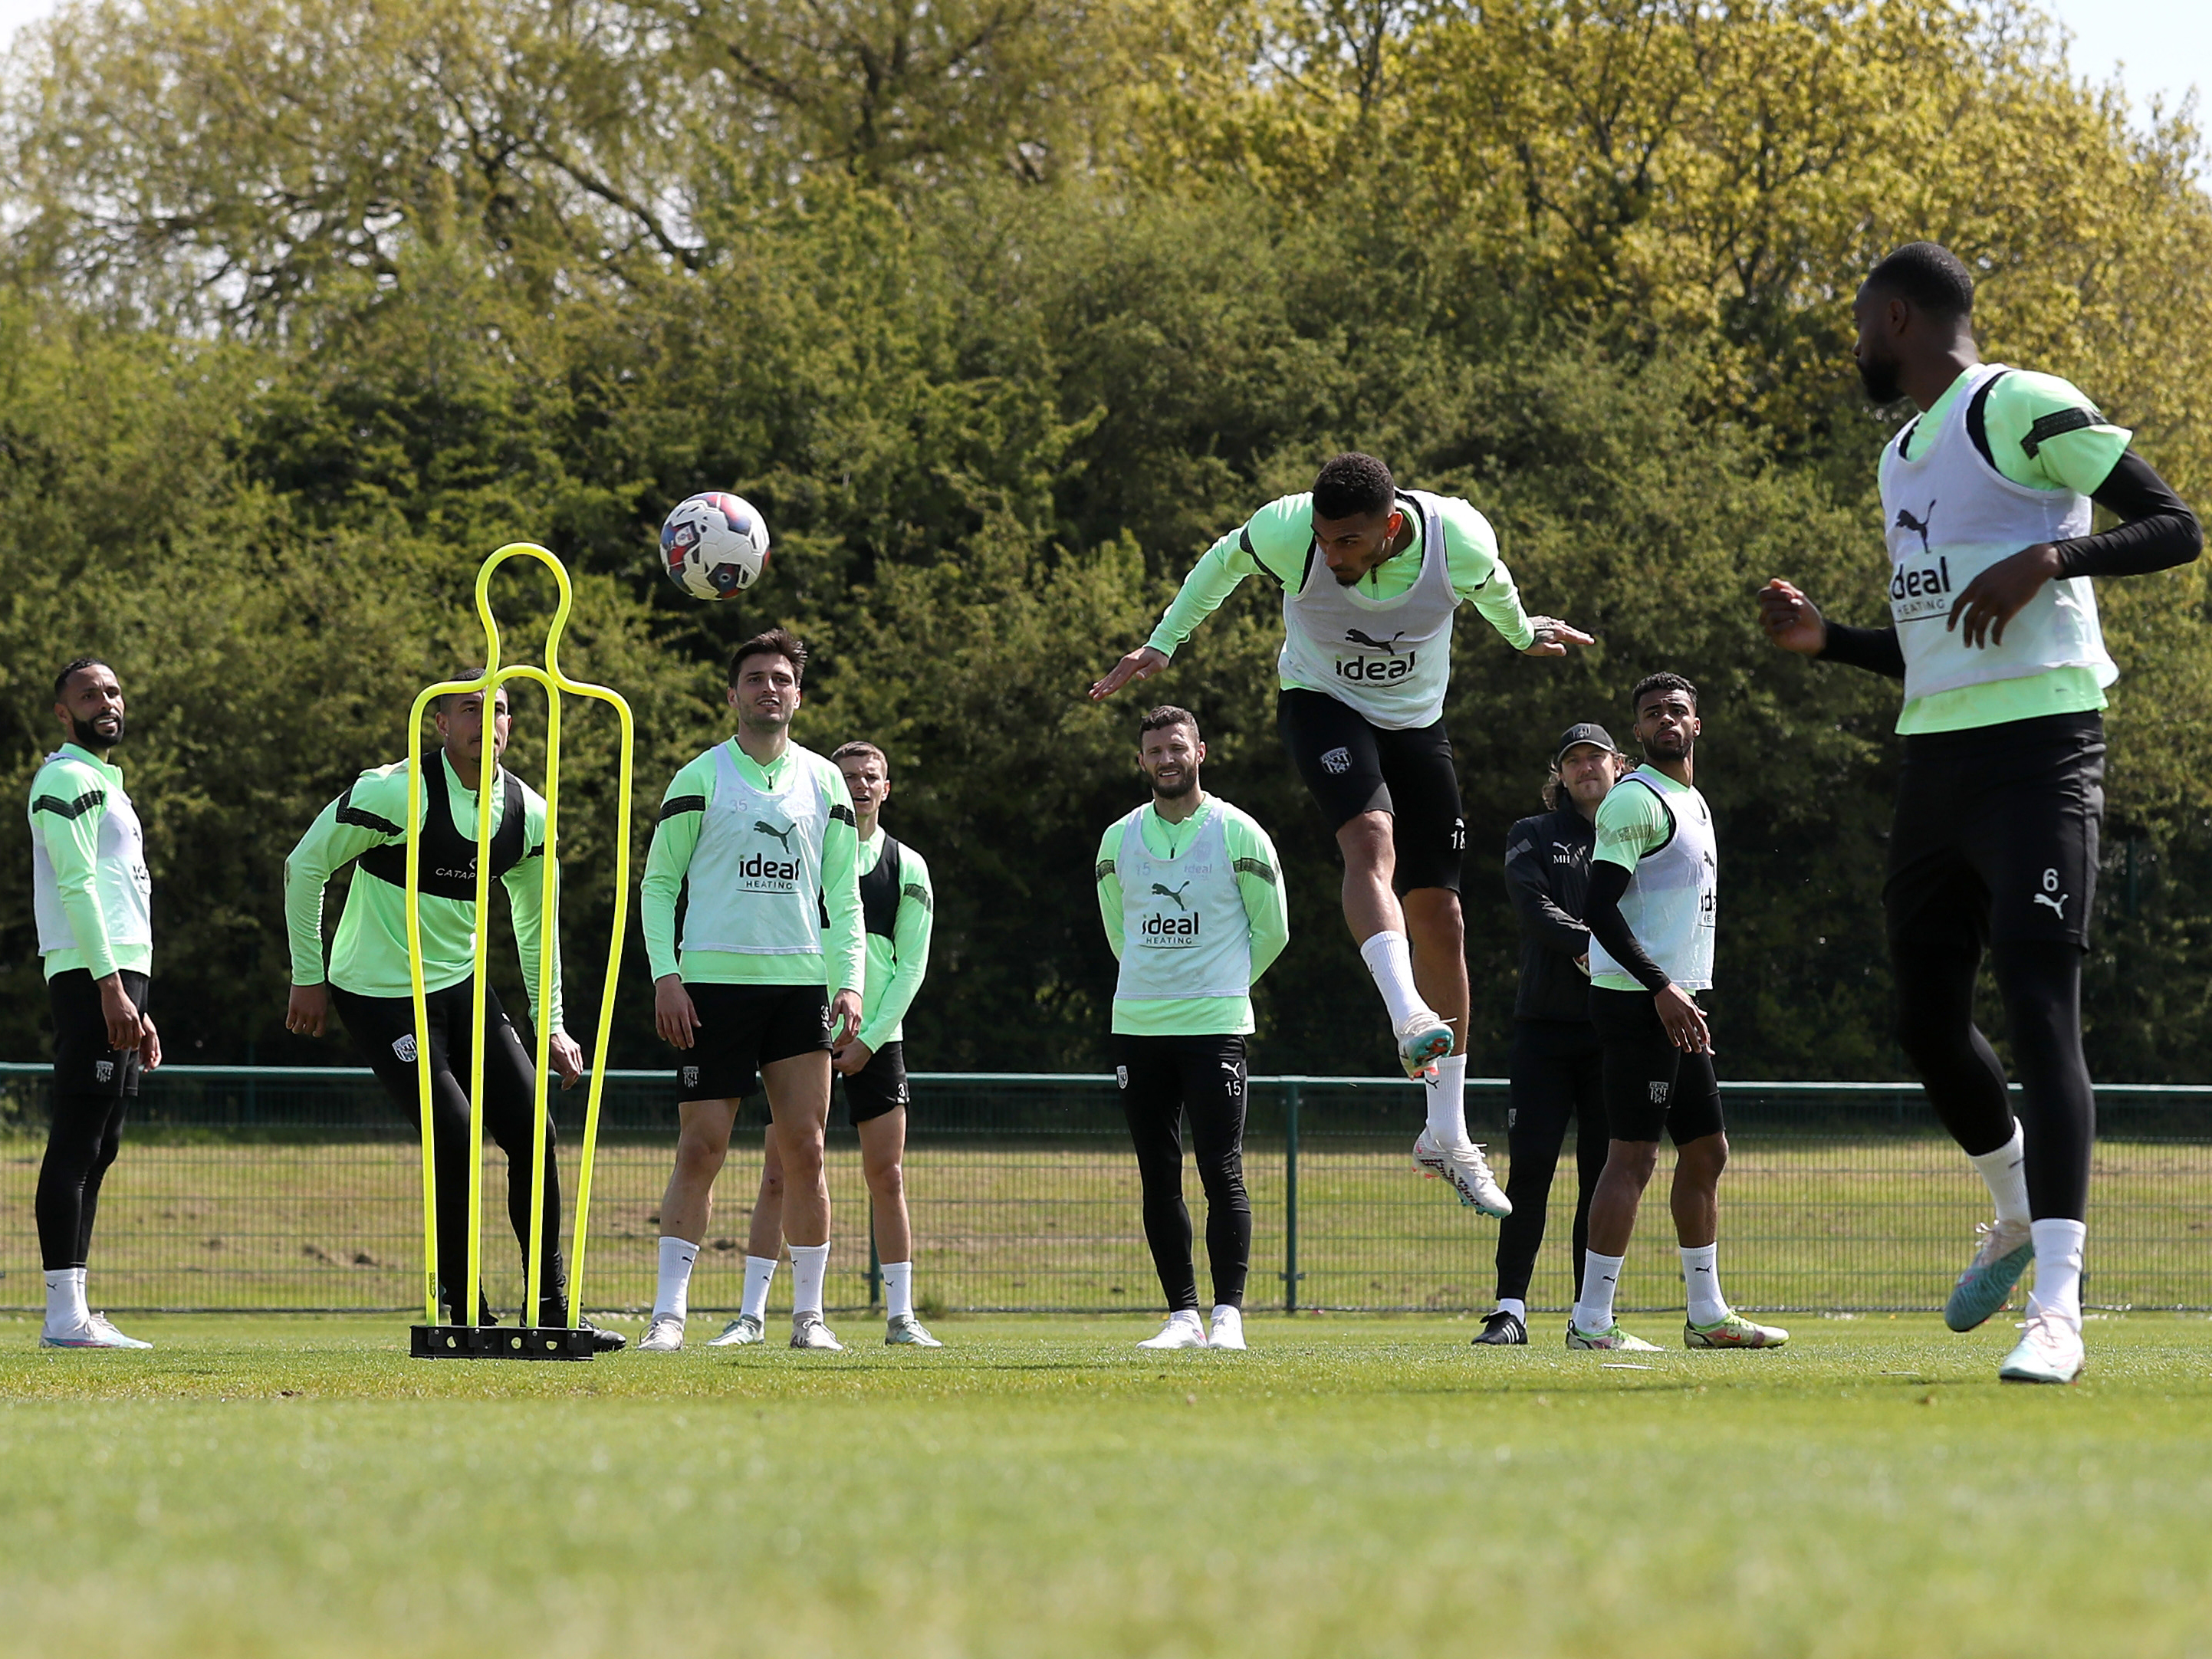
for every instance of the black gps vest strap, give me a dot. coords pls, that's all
(879, 892)
(1977, 419)
(446, 858)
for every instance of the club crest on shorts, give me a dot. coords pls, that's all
(405, 1047)
(103, 1071)
(1659, 1094)
(1337, 762)
(1121, 1077)
(691, 1077)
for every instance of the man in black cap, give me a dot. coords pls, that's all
(1557, 1066)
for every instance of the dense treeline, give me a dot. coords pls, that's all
(1001, 309)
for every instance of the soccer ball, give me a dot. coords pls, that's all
(715, 545)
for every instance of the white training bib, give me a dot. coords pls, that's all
(1948, 515)
(119, 877)
(1672, 901)
(755, 876)
(1184, 932)
(1388, 659)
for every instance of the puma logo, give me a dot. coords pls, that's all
(1918, 527)
(1175, 893)
(782, 835)
(2057, 905)
(1388, 647)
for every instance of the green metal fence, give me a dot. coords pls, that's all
(298, 1188)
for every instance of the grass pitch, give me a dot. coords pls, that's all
(1350, 1486)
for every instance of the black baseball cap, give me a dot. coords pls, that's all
(1587, 732)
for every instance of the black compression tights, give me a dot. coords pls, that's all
(2040, 984)
(87, 1132)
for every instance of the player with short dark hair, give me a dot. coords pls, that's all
(767, 982)
(93, 900)
(371, 983)
(1371, 577)
(1986, 498)
(1652, 911)
(1190, 892)
(1557, 1068)
(898, 907)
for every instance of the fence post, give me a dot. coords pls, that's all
(1291, 1196)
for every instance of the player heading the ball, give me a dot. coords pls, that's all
(1985, 503)
(1372, 577)
(770, 977)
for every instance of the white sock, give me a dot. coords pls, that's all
(760, 1273)
(1392, 964)
(1446, 1093)
(1514, 1305)
(1594, 1308)
(1701, 1278)
(898, 1290)
(2005, 1170)
(65, 1306)
(2058, 1269)
(809, 1266)
(673, 1294)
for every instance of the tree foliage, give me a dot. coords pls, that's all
(1001, 310)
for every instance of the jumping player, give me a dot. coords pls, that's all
(1557, 1065)
(370, 982)
(1191, 894)
(897, 907)
(1651, 914)
(93, 900)
(1985, 503)
(1372, 577)
(768, 982)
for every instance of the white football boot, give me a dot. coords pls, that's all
(1465, 1169)
(2050, 1351)
(1181, 1330)
(95, 1333)
(807, 1331)
(907, 1332)
(1228, 1328)
(743, 1332)
(664, 1335)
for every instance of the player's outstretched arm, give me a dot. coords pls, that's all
(1217, 574)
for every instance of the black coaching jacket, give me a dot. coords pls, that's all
(1547, 864)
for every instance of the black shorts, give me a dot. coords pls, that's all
(383, 1029)
(1997, 833)
(83, 1062)
(877, 1087)
(1351, 766)
(743, 1027)
(1651, 1085)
